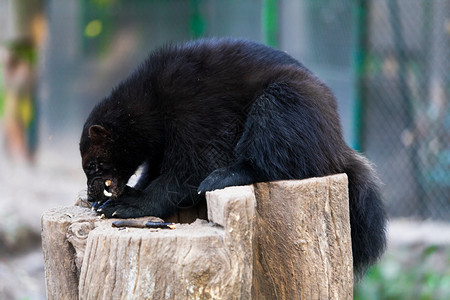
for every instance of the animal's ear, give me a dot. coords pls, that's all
(98, 134)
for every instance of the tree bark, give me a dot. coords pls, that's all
(301, 243)
(290, 242)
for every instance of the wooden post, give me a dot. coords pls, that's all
(60, 256)
(293, 244)
(301, 245)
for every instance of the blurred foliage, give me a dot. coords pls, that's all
(93, 28)
(2, 93)
(98, 23)
(24, 50)
(408, 275)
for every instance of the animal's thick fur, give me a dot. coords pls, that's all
(219, 112)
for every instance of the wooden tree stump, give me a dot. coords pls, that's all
(290, 242)
(301, 245)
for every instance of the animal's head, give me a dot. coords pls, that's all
(103, 163)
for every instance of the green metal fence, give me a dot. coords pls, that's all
(405, 89)
(388, 63)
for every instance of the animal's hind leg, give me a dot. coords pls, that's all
(271, 144)
(237, 174)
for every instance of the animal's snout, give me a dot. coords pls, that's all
(96, 190)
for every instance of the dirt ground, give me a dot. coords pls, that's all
(26, 192)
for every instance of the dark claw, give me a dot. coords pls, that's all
(104, 203)
(95, 205)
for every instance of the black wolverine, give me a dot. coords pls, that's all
(213, 113)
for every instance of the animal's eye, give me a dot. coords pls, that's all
(92, 166)
(105, 166)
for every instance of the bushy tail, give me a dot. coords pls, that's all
(367, 214)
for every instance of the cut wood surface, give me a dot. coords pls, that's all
(290, 242)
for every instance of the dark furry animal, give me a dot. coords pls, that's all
(220, 112)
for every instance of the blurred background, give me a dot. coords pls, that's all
(387, 61)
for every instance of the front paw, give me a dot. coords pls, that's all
(126, 206)
(119, 209)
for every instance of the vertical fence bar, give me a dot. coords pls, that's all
(400, 50)
(360, 20)
(270, 22)
(196, 19)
